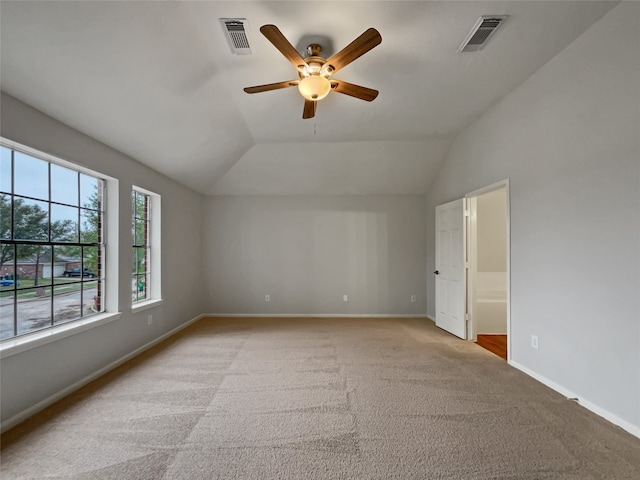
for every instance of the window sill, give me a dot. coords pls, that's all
(146, 305)
(21, 344)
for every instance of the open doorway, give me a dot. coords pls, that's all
(488, 268)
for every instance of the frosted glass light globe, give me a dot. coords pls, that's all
(314, 87)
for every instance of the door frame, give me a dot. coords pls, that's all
(471, 254)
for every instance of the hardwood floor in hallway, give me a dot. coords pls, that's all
(494, 343)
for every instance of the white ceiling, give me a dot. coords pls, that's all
(157, 81)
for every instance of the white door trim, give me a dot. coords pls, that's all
(470, 301)
(471, 252)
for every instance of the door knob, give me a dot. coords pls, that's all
(437, 272)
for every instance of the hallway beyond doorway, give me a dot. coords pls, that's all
(494, 343)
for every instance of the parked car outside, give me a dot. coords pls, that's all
(75, 272)
(8, 283)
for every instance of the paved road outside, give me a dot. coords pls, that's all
(35, 313)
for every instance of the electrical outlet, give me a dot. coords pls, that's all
(413, 298)
(534, 341)
(149, 319)
(345, 298)
(267, 298)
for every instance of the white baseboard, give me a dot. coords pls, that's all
(629, 427)
(431, 318)
(317, 315)
(41, 405)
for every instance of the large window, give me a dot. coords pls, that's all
(51, 243)
(145, 233)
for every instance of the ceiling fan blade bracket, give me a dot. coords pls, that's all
(327, 69)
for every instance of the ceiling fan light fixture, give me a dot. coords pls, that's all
(314, 87)
(315, 72)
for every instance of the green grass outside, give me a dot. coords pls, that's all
(26, 290)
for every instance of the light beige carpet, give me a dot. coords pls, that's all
(317, 399)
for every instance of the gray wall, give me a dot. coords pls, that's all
(307, 252)
(568, 139)
(31, 376)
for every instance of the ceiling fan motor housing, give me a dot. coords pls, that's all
(314, 50)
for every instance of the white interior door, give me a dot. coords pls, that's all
(450, 268)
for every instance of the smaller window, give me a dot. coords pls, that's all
(145, 233)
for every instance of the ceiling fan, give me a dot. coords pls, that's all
(315, 80)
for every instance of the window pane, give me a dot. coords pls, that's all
(139, 287)
(146, 284)
(140, 231)
(61, 256)
(31, 177)
(33, 266)
(90, 301)
(134, 289)
(65, 280)
(88, 191)
(34, 309)
(134, 261)
(31, 220)
(5, 217)
(90, 262)
(5, 169)
(64, 224)
(6, 257)
(66, 303)
(66, 258)
(64, 185)
(89, 224)
(140, 265)
(139, 206)
(7, 303)
(24, 262)
(38, 265)
(97, 299)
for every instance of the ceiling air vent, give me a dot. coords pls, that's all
(480, 33)
(236, 34)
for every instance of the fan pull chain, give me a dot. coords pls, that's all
(315, 129)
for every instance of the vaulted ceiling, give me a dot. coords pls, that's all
(157, 81)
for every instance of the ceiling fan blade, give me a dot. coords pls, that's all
(363, 93)
(271, 86)
(309, 109)
(361, 45)
(275, 36)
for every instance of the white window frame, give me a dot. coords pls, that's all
(155, 251)
(14, 345)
